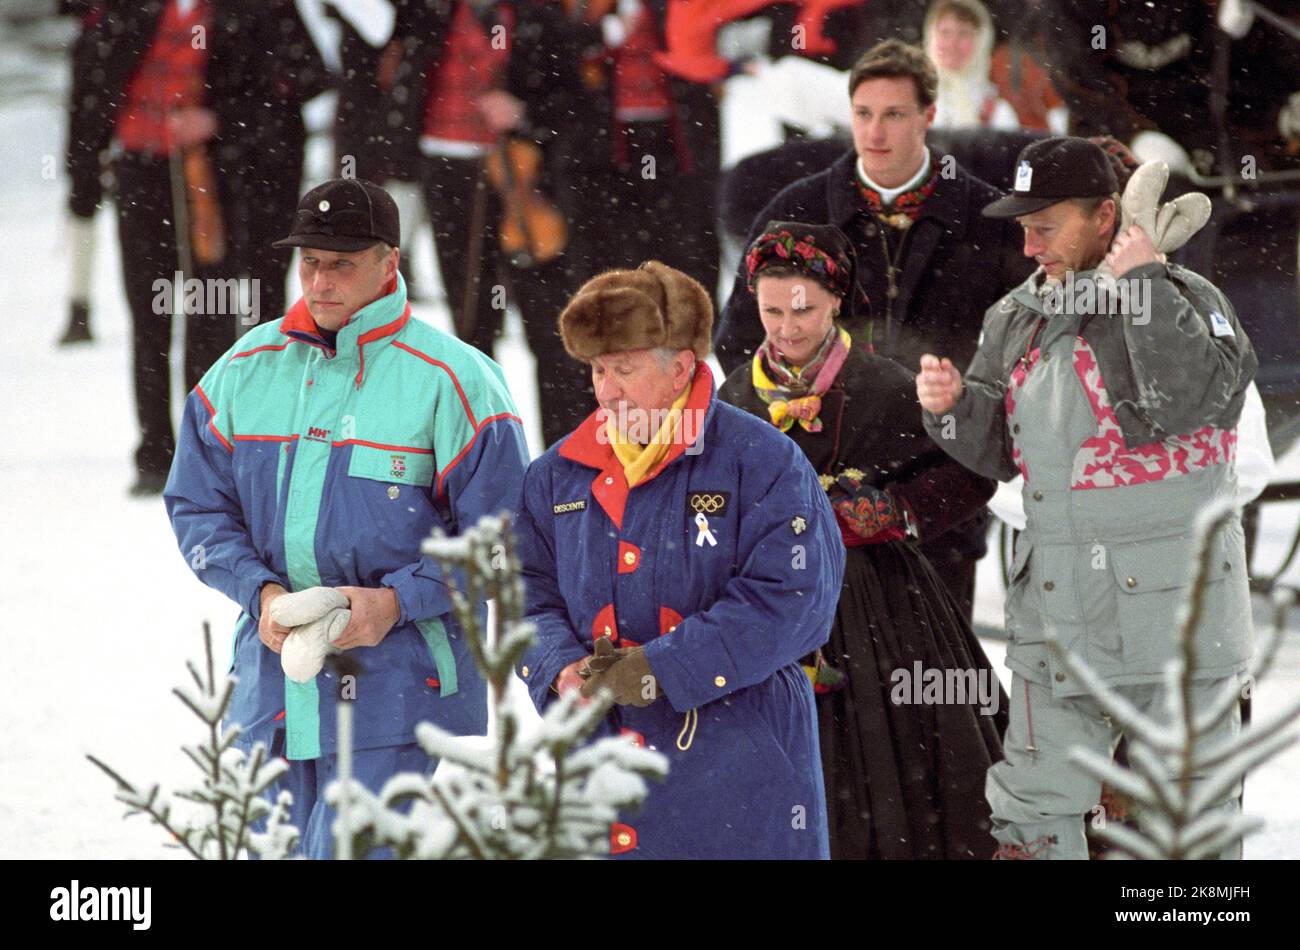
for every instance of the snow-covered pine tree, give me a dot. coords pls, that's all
(1165, 755)
(524, 791)
(231, 792)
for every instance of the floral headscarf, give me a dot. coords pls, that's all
(819, 250)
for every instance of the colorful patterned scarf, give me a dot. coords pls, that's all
(796, 392)
(904, 209)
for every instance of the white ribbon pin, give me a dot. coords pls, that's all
(705, 534)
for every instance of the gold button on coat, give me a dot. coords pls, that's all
(1131, 581)
(719, 681)
(525, 671)
(629, 558)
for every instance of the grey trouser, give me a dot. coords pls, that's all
(1036, 794)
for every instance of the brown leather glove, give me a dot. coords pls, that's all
(624, 672)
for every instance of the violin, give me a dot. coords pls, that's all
(532, 230)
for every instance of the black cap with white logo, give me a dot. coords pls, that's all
(344, 214)
(1051, 170)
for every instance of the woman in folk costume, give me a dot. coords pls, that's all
(959, 41)
(904, 768)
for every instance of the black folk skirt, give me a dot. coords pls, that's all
(905, 739)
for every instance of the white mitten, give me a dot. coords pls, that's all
(1169, 225)
(304, 606)
(305, 648)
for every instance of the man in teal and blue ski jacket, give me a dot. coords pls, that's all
(319, 452)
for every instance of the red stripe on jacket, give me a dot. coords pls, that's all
(476, 425)
(443, 366)
(212, 419)
(469, 445)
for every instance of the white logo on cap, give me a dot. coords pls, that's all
(1024, 175)
(324, 206)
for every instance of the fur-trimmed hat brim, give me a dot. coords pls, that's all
(650, 307)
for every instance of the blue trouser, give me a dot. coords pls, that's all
(308, 779)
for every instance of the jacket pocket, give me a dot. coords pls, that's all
(1153, 581)
(1162, 565)
(1023, 626)
(395, 465)
(1046, 596)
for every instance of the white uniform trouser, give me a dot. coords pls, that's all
(1036, 794)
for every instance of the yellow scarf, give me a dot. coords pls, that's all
(639, 460)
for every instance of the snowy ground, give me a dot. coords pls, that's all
(99, 610)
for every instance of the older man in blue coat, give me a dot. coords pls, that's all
(681, 554)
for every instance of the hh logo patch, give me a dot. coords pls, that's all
(568, 506)
(317, 434)
(399, 466)
(709, 503)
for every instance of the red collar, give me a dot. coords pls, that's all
(299, 321)
(299, 318)
(589, 446)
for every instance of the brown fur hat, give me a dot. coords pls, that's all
(640, 309)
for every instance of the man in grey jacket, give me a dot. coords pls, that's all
(1118, 404)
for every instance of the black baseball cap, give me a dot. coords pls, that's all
(1051, 170)
(344, 214)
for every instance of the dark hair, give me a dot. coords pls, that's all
(894, 59)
